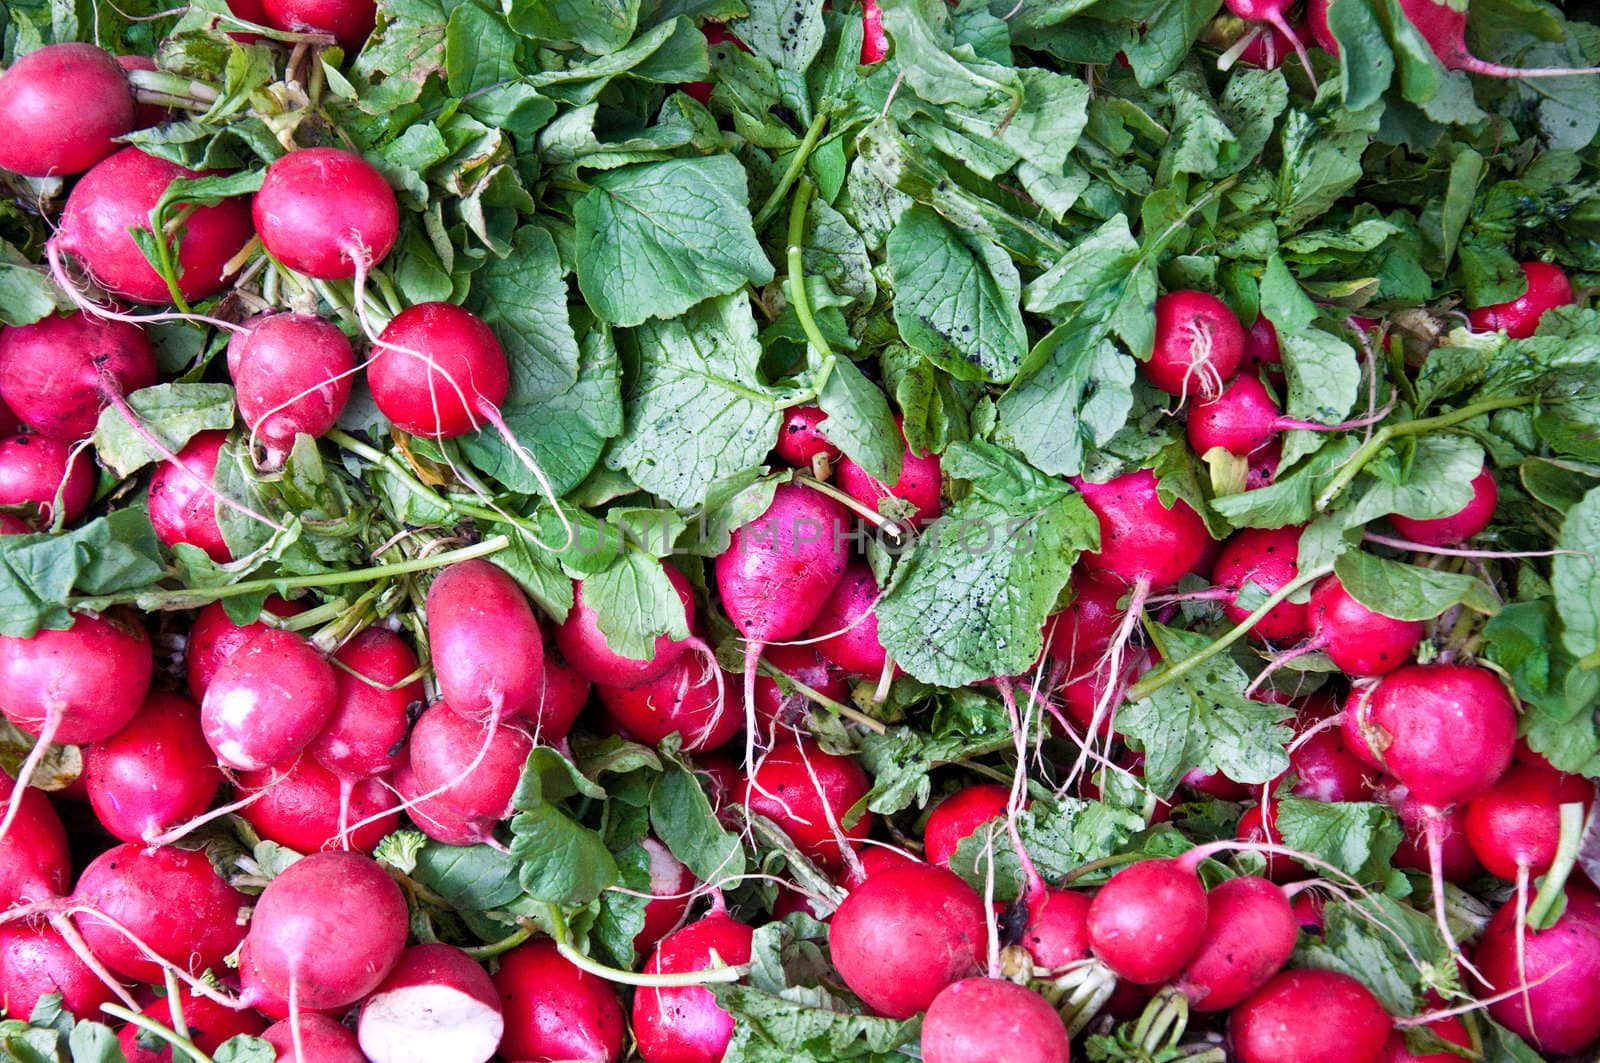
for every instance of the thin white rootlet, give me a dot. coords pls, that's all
(429, 1024)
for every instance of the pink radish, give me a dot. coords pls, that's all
(432, 815)
(1445, 29)
(850, 623)
(1449, 1030)
(1260, 825)
(348, 21)
(438, 371)
(553, 1010)
(1058, 929)
(921, 483)
(268, 701)
(37, 470)
(1250, 933)
(1459, 526)
(306, 807)
(904, 934)
(874, 41)
(1198, 345)
(1310, 1017)
(437, 1003)
(566, 692)
(34, 862)
(183, 498)
(62, 107)
(1360, 641)
(801, 439)
(1148, 921)
(684, 1022)
(1324, 769)
(292, 373)
(584, 645)
(989, 1020)
(328, 930)
(56, 372)
(1273, 14)
(210, 1025)
(1269, 560)
(955, 818)
(1241, 419)
(475, 765)
(153, 774)
(1557, 969)
(325, 212)
(214, 638)
(807, 791)
(874, 858)
(1086, 628)
(671, 886)
(1215, 784)
(1143, 541)
(1547, 289)
(1514, 826)
(313, 1039)
(36, 961)
(1457, 862)
(377, 687)
(1261, 348)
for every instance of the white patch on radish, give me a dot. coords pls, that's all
(429, 1023)
(237, 706)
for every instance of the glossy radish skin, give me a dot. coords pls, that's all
(349, 21)
(958, 816)
(1140, 538)
(437, 1003)
(35, 961)
(553, 1010)
(685, 1025)
(1450, 1030)
(435, 370)
(324, 1040)
(433, 816)
(333, 924)
(1562, 966)
(56, 372)
(268, 701)
(292, 374)
(171, 899)
(990, 1020)
(35, 469)
(320, 210)
(155, 773)
(485, 643)
(1516, 823)
(1085, 629)
(62, 107)
(874, 858)
(671, 886)
(801, 437)
(682, 701)
(584, 645)
(779, 569)
(1260, 824)
(444, 744)
(1310, 1016)
(95, 674)
(565, 694)
(1148, 921)
(1444, 730)
(921, 483)
(371, 713)
(807, 792)
(1268, 558)
(1241, 419)
(117, 195)
(1058, 929)
(802, 664)
(1360, 641)
(904, 934)
(1261, 346)
(301, 808)
(1250, 933)
(850, 622)
(1547, 289)
(1326, 770)
(210, 1025)
(34, 862)
(1458, 527)
(1459, 864)
(181, 508)
(214, 638)
(1198, 345)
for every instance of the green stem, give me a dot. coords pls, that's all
(558, 931)
(889, 527)
(182, 91)
(1555, 879)
(1154, 682)
(1099, 865)
(308, 619)
(795, 285)
(145, 1022)
(838, 709)
(505, 944)
(801, 155)
(1389, 433)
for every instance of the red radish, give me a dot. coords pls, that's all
(1260, 824)
(684, 1023)
(34, 862)
(1215, 784)
(1264, 466)
(1457, 862)
(292, 373)
(209, 1024)
(1514, 826)
(990, 1020)
(584, 645)
(1250, 933)
(687, 700)
(874, 41)
(1273, 15)
(1058, 929)
(800, 663)
(1261, 347)
(1142, 540)
(1445, 29)
(807, 791)
(1269, 559)
(268, 701)
(438, 371)
(1085, 629)
(56, 372)
(1547, 289)
(1241, 419)
(145, 115)
(328, 930)
(486, 645)
(475, 765)
(565, 694)
(1086, 688)
(432, 815)
(1558, 970)
(1308, 909)
(959, 815)
(1149, 920)
(155, 773)
(850, 623)
(37, 470)
(183, 504)
(1360, 641)
(437, 1003)
(553, 1010)
(1326, 770)
(1459, 526)
(921, 483)
(116, 196)
(214, 638)
(904, 934)
(36, 961)
(325, 212)
(1449, 1029)
(307, 807)
(62, 107)
(671, 886)
(873, 859)
(318, 1039)
(377, 686)
(348, 21)
(1310, 1016)
(170, 899)
(1198, 345)
(1444, 730)
(800, 437)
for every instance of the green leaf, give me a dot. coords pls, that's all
(1357, 837)
(1283, 301)
(1077, 401)
(1059, 836)
(788, 34)
(634, 602)
(804, 1025)
(681, 816)
(173, 413)
(1436, 483)
(1410, 592)
(524, 298)
(654, 240)
(27, 294)
(1366, 62)
(562, 862)
(93, 1042)
(1389, 946)
(1575, 578)
(242, 1048)
(470, 877)
(597, 26)
(38, 573)
(480, 50)
(860, 422)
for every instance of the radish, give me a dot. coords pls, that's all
(347, 21)
(1057, 933)
(324, 212)
(62, 107)
(1215, 784)
(846, 630)
(268, 701)
(1457, 862)
(1262, 350)
(1269, 559)
(1273, 15)
(1324, 769)
(1142, 540)
(214, 638)
(1250, 933)
(685, 1022)
(169, 901)
(40, 471)
(904, 934)
(566, 692)
(1148, 920)
(153, 774)
(117, 196)
(36, 961)
(473, 765)
(292, 375)
(1448, 1029)
(1310, 1016)
(1086, 628)
(1445, 29)
(873, 859)
(377, 685)
(1518, 318)
(183, 506)
(686, 701)
(1444, 730)
(990, 1020)
(584, 645)
(1360, 641)
(1198, 345)
(438, 371)
(34, 862)
(55, 373)
(1459, 526)
(209, 1025)
(921, 482)
(327, 930)
(800, 436)
(1260, 825)
(486, 646)
(806, 792)
(437, 1003)
(308, 807)
(800, 664)
(432, 815)
(553, 1010)
(1557, 970)
(671, 891)
(958, 816)
(1241, 419)
(874, 41)
(313, 1039)
(1514, 826)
